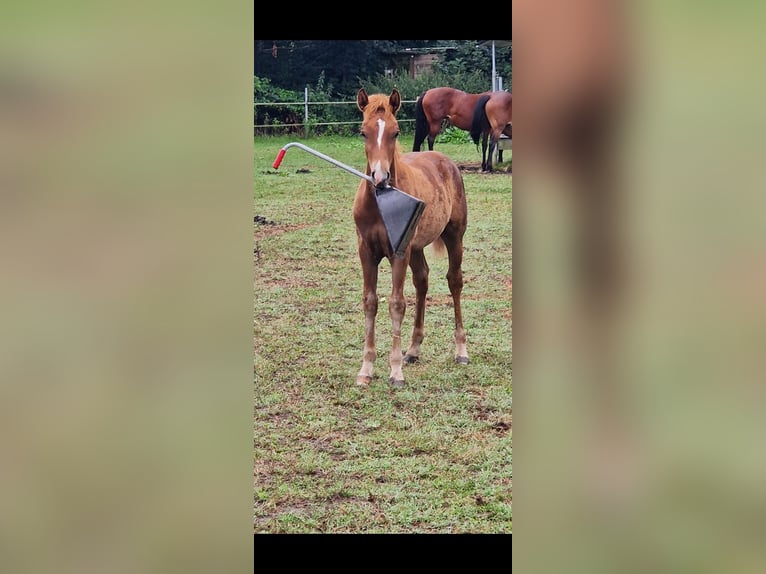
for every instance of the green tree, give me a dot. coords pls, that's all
(334, 70)
(347, 63)
(469, 66)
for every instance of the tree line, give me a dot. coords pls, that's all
(334, 70)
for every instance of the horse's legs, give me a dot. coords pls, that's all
(492, 148)
(396, 308)
(500, 150)
(433, 131)
(508, 131)
(484, 151)
(370, 303)
(419, 268)
(453, 239)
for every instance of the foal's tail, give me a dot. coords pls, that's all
(421, 124)
(438, 247)
(480, 121)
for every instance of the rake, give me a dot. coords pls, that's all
(399, 210)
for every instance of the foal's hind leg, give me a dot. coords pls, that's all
(420, 281)
(454, 242)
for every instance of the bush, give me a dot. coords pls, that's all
(453, 135)
(287, 110)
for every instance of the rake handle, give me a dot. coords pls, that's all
(335, 162)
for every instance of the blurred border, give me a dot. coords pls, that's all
(639, 308)
(126, 244)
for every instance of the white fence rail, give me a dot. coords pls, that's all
(306, 124)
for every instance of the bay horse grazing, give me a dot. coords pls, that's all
(434, 179)
(439, 104)
(492, 117)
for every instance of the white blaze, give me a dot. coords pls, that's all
(376, 171)
(381, 127)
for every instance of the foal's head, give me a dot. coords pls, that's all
(380, 131)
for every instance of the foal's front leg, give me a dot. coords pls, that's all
(396, 308)
(370, 304)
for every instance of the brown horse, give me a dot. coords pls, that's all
(491, 118)
(433, 178)
(436, 105)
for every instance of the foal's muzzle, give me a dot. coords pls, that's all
(381, 178)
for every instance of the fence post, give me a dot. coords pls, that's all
(306, 112)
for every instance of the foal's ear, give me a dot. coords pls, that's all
(395, 100)
(361, 99)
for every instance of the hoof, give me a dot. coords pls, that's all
(363, 380)
(461, 360)
(411, 359)
(396, 382)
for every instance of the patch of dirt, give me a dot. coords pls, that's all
(266, 228)
(483, 412)
(260, 220)
(443, 299)
(274, 230)
(293, 283)
(501, 427)
(475, 167)
(470, 167)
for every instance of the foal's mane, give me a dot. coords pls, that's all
(377, 103)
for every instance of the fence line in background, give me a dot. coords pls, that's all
(305, 104)
(317, 124)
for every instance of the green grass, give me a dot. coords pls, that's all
(433, 457)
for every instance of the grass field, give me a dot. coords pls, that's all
(329, 456)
